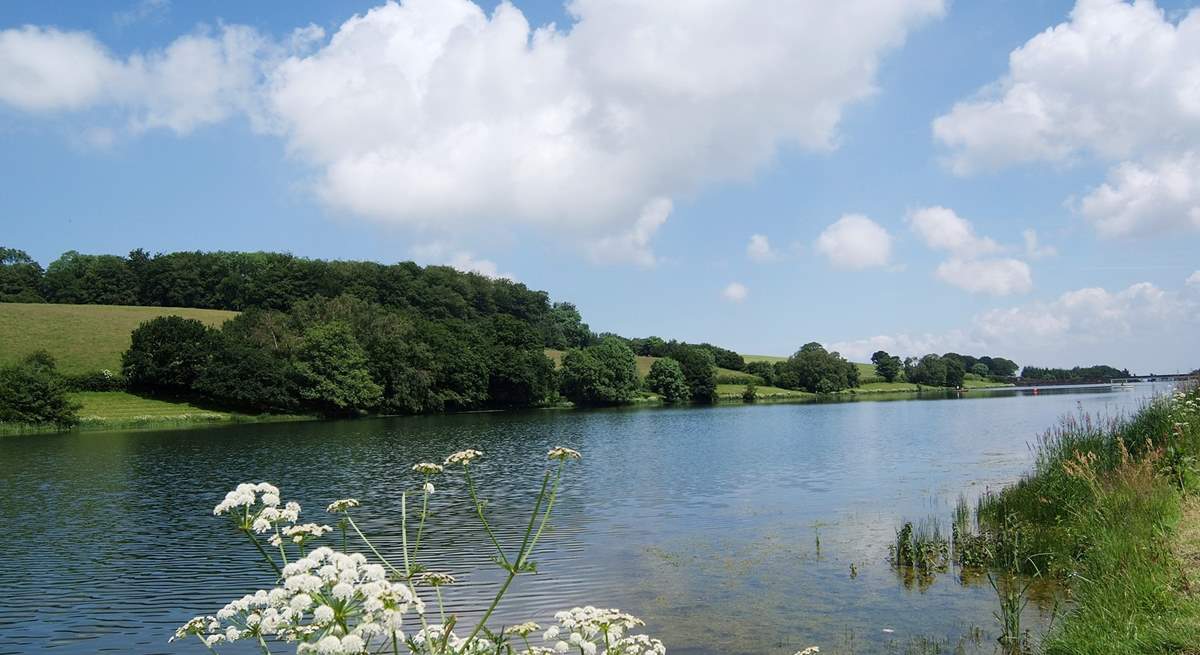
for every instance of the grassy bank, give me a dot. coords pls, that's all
(117, 410)
(1101, 511)
(82, 338)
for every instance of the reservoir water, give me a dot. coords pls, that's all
(730, 529)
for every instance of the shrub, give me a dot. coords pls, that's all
(32, 392)
(103, 380)
(168, 352)
(667, 380)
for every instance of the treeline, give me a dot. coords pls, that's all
(1097, 373)
(658, 347)
(948, 370)
(276, 281)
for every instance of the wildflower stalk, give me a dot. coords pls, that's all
(421, 524)
(479, 512)
(526, 548)
(263, 551)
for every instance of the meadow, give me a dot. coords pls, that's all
(82, 338)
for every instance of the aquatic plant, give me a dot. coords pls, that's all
(333, 601)
(924, 549)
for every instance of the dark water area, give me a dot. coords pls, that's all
(729, 529)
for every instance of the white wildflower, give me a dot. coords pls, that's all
(463, 457)
(428, 488)
(323, 615)
(560, 453)
(329, 645)
(341, 505)
(427, 468)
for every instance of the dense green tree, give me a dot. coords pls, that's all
(698, 368)
(725, 358)
(243, 374)
(667, 380)
(89, 279)
(764, 370)
(817, 370)
(566, 328)
(520, 374)
(331, 369)
(20, 277)
(955, 373)
(167, 353)
(929, 370)
(603, 374)
(887, 366)
(32, 392)
(1097, 373)
(981, 369)
(1002, 367)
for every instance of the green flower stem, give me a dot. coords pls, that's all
(479, 512)
(421, 524)
(546, 517)
(263, 551)
(372, 547)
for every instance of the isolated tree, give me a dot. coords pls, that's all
(20, 277)
(32, 391)
(667, 380)
(817, 370)
(696, 362)
(887, 366)
(331, 368)
(955, 373)
(167, 353)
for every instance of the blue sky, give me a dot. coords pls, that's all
(624, 161)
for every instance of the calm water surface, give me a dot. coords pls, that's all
(729, 529)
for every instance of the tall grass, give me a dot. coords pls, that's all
(1099, 510)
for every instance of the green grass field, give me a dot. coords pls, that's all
(82, 338)
(118, 410)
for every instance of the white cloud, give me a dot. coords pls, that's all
(1194, 280)
(855, 242)
(997, 277)
(735, 292)
(431, 113)
(942, 229)
(444, 254)
(1143, 327)
(759, 249)
(633, 245)
(1119, 82)
(198, 79)
(1147, 199)
(1034, 249)
(1115, 80)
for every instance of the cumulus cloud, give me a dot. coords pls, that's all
(942, 229)
(1142, 326)
(432, 113)
(1119, 82)
(1034, 249)
(1194, 280)
(464, 260)
(735, 292)
(997, 277)
(855, 242)
(759, 249)
(1147, 198)
(633, 245)
(198, 79)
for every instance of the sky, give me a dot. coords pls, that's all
(908, 175)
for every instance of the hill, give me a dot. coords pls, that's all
(82, 338)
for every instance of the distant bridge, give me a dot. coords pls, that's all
(1177, 377)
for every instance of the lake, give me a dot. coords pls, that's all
(729, 529)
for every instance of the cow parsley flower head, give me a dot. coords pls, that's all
(427, 487)
(342, 505)
(428, 468)
(562, 454)
(463, 457)
(434, 579)
(524, 629)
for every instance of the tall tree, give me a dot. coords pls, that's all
(20, 277)
(667, 380)
(331, 368)
(603, 374)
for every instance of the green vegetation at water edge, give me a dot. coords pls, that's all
(1101, 512)
(82, 338)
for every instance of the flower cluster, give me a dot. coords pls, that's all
(328, 602)
(563, 454)
(428, 468)
(332, 602)
(588, 629)
(463, 457)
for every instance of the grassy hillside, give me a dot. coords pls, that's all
(82, 338)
